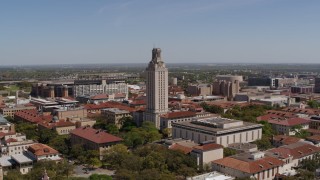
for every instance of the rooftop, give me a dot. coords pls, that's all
(94, 135)
(217, 125)
(249, 166)
(180, 114)
(42, 149)
(286, 140)
(21, 158)
(115, 110)
(289, 122)
(297, 150)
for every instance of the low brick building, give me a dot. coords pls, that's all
(93, 139)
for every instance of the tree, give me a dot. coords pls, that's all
(94, 162)
(100, 177)
(127, 124)
(212, 108)
(46, 135)
(267, 129)
(61, 143)
(13, 175)
(264, 143)
(186, 171)
(125, 174)
(112, 129)
(314, 104)
(30, 130)
(299, 132)
(228, 152)
(166, 132)
(116, 155)
(305, 174)
(145, 134)
(65, 168)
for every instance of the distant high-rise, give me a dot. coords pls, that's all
(317, 85)
(157, 88)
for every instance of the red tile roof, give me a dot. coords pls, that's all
(302, 111)
(282, 113)
(94, 135)
(100, 96)
(2, 134)
(11, 140)
(314, 138)
(207, 147)
(180, 114)
(42, 149)
(178, 147)
(290, 122)
(32, 116)
(313, 131)
(269, 117)
(250, 166)
(297, 150)
(60, 123)
(109, 105)
(286, 140)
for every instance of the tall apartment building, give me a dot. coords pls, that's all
(302, 89)
(226, 88)
(200, 90)
(94, 87)
(80, 87)
(157, 88)
(317, 85)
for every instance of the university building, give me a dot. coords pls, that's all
(219, 130)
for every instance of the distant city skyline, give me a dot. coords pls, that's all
(206, 31)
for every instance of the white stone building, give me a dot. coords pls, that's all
(219, 130)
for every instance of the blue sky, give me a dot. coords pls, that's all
(120, 31)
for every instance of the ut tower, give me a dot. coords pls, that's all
(157, 88)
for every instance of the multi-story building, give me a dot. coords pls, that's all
(52, 89)
(314, 122)
(71, 113)
(302, 89)
(32, 116)
(230, 78)
(281, 140)
(317, 85)
(200, 90)
(226, 88)
(94, 87)
(5, 126)
(40, 151)
(293, 154)
(9, 111)
(219, 130)
(289, 126)
(180, 116)
(14, 143)
(204, 154)
(115, 115)
(262, 81)
(99, 85)
(157, 88)
(62, 127)
(249, 165)
(93, 139)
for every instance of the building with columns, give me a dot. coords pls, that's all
(156, 88)
(218, 130)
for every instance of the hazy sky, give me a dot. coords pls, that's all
(119, 31)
